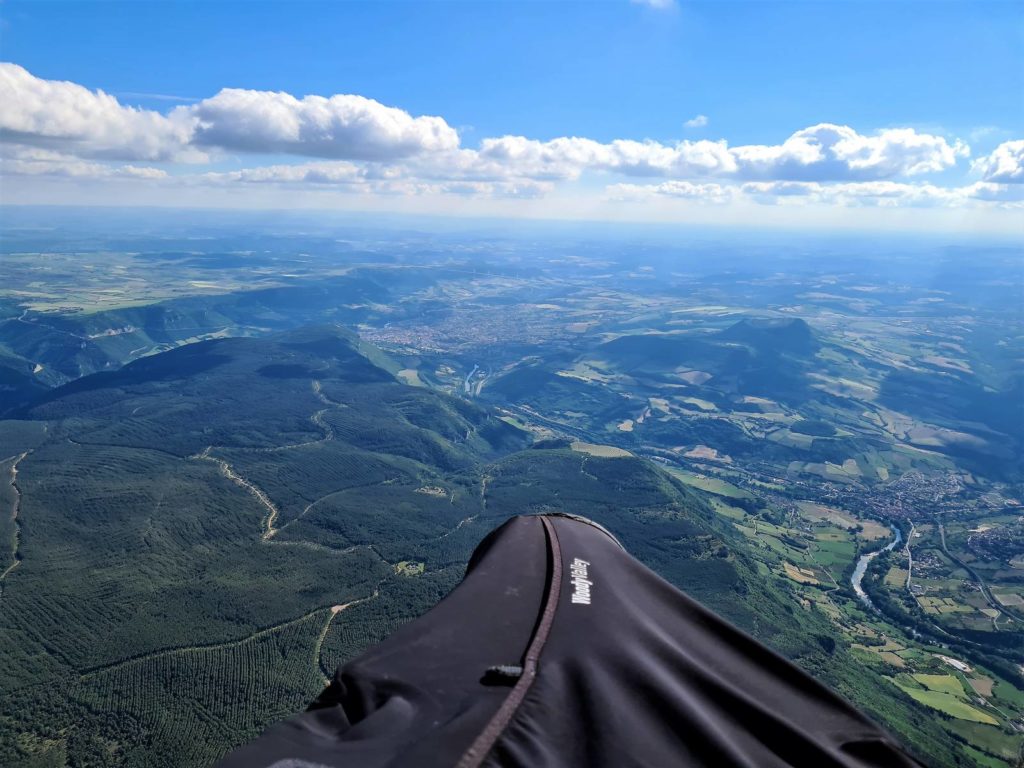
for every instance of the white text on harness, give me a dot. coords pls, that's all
(580, 583)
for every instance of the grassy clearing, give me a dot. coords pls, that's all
(601, 451)
(874, 530)
(1009, 598)
(409, 568)
(941, 683)
(432, 490)
(727, 510)
(817, 513)
(833, 550)
(896, 577)
(694, 377)
(982, 685)
(411, 377)
(711, 484)
(982, 759)
(891, 658)
(991, 740)
(800, 575)
(703, 405)
(792, 439)
(947, 704)
(707, 453)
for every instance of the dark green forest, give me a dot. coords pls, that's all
(199, 538)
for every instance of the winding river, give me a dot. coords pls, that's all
(466, 384)
(862, 567)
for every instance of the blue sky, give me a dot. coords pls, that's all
(758, 72)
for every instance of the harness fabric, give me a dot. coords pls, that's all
(629, 672)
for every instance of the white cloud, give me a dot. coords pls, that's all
(765, 190)
(92, 124)
(566, 158)
(660, 5)
(394, 180)
(822, 152)
(1005, 164)
(994, 192)
(70, 118)
(33, 161)
(882, 193)
(352, 144)
(521, 188)
(706, 193)
(885, 194)
(878, 193)
(306, 173)
(828, 152)
(339, 127)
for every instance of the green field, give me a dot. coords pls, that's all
(950, 705)
(711, 484)
(602, 451)
(941, 683)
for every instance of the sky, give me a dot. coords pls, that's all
(879, 115)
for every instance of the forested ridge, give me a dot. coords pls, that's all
(203, 535)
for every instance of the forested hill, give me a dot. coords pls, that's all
(41, 350)
(199, 538)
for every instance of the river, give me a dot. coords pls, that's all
(469, 390)
(862, 567)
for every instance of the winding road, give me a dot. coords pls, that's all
(910, 556)
(1012, 615)
(268, 529)
(15, 513)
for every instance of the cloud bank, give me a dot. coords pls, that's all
(353, 144)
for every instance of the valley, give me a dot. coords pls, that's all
(227, 485)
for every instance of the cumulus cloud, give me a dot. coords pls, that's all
(828, 152)
(92, 124)
(356, 178)
(352, 143)
(1005, 164)
(879, 193)
(822, 152)
(707, 193)
(32, 161)
(307, 173)
(566, 158)
(339, 127)
(884, 194)
(993, 192)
